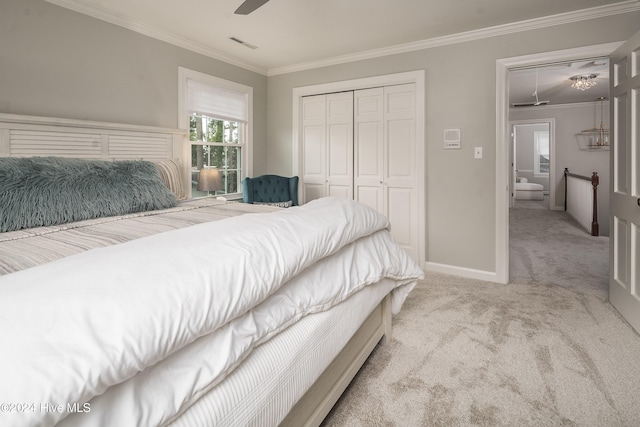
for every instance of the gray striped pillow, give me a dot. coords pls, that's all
(171, 174)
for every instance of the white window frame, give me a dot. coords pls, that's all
(537, 136)
(228, 145)
(185, 74)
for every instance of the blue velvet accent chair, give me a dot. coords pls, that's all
(270, 189)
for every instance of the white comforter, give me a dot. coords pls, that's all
(78, 327)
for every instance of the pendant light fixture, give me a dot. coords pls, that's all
(596, 138)
(583, 81)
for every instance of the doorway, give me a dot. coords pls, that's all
(503, 140)
(533, 161)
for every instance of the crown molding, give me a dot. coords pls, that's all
(627, 6)
(153, 32)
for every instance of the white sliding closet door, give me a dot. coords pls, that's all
(340, 144)
(362, 145)
(314, 146)
(385, 174)
(369, 147)
(327, 134)
(400, 165)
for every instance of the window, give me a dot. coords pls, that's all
(217, 144)
(541, 154)
(218, 115)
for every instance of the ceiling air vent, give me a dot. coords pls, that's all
(237, 40)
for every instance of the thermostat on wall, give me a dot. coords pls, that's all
(452, 139)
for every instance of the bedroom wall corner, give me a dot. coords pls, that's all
(60, 63)
(470, 273)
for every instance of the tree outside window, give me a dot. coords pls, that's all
(216, 143)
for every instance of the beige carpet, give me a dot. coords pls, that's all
(545, 350)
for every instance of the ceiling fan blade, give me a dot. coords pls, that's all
(249, 6)
(594, 63)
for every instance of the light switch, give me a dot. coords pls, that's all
(478, 153)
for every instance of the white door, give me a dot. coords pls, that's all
(340, 145)
(624, 277)
(369, 148)
(385, 171)
(362, 145)
(314, 147)
(514, 166)
(400, 183)
(327, 146)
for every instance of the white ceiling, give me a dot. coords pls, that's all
(299, 34)
(554, 84)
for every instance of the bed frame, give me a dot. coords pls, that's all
(322, 396)
(25, 136)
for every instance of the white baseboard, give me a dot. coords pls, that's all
(453, 270)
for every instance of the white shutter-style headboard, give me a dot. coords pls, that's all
(24, 136)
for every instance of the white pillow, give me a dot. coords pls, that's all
(287, 204)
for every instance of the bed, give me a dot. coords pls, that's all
(183, 312)
(529, 190)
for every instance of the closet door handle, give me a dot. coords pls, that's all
(638, 202)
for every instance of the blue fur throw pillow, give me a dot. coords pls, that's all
(42, 191)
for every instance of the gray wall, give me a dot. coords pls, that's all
(460, 93)
(58, 63)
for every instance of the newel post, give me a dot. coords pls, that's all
(566, 171)
(595, 228)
